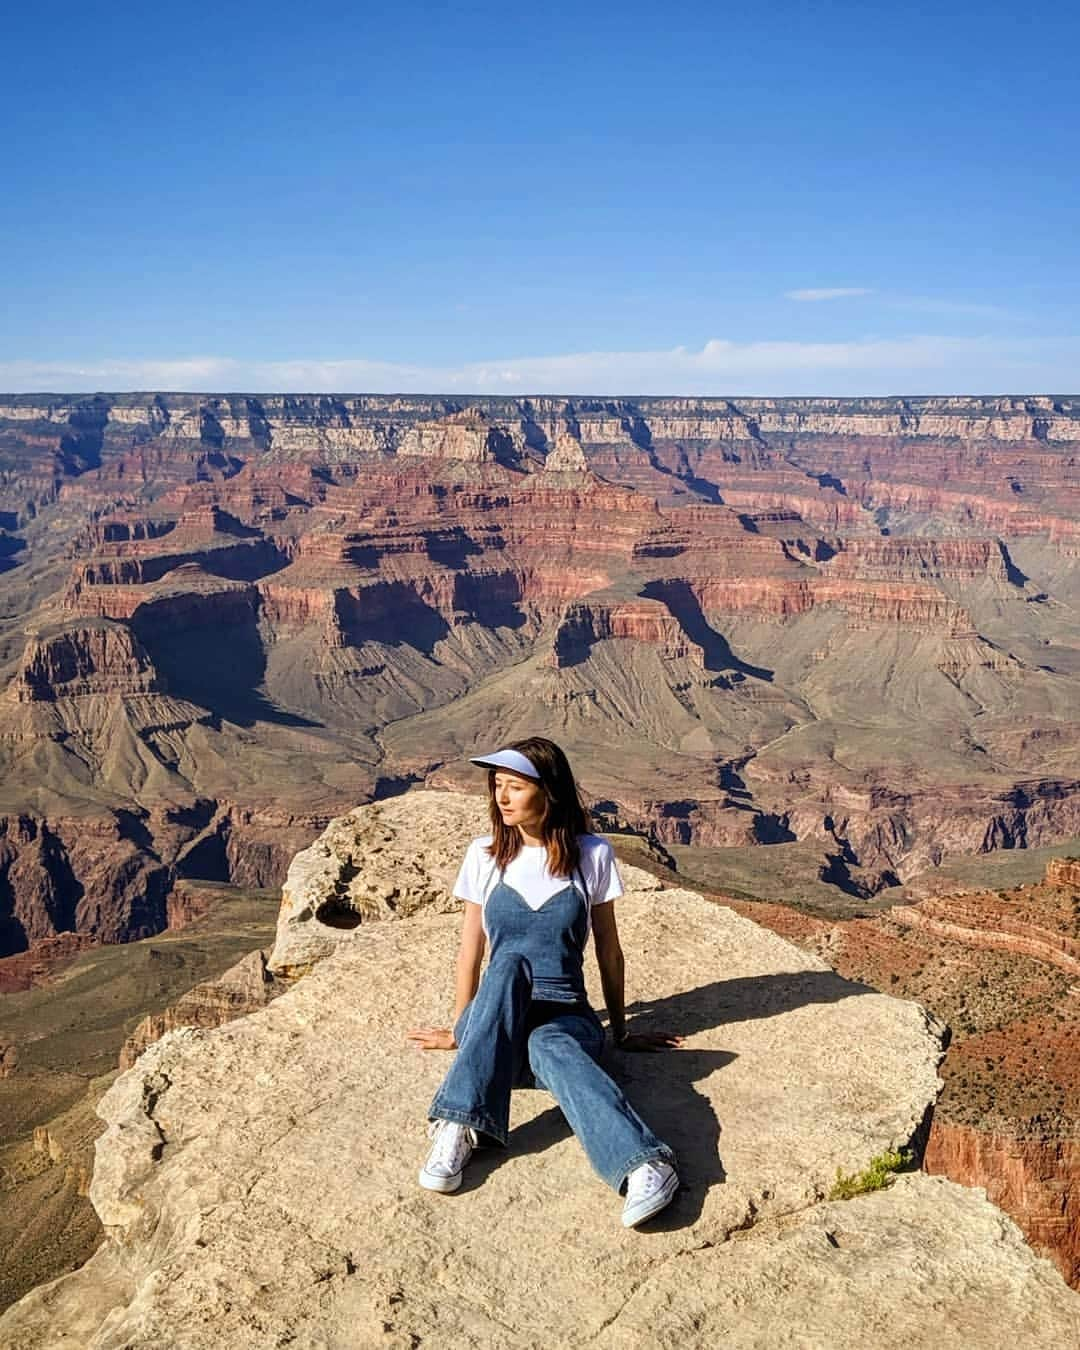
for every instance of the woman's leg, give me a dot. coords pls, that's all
(491, 1051)
(564, 1054)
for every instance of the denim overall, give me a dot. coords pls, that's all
(530, 1024)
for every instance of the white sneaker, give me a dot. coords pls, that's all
(648, 1189)
(453, 1148)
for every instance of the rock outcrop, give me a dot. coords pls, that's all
(1034, 1178)
(38, 965)
(77, 659)
(386, 860)
(242, 989)
(76, 875)
(976, 923)
(1063, 872)
(1001, 967)
(257, 1182)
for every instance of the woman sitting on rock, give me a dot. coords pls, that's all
(534, 889)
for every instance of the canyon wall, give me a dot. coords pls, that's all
(1000, 967)
(1034, 1179)
(754, 622)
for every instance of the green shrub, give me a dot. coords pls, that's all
(880, 1172)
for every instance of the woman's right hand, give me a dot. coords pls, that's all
(432, 1038)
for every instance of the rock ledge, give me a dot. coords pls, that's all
(258, 1181)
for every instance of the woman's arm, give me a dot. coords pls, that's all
(469, 957)
(609, 957)
(466, 980)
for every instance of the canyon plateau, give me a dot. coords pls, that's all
(812, 651)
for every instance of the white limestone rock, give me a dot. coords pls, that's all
(384, 860)
(258, 1181)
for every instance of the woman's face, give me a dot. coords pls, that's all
(519, 799)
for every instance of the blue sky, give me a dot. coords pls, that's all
(583, 198)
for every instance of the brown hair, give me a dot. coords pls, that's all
(564, 818)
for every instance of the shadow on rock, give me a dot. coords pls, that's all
(680, 1115)
(742, 1000)
(660, 1085)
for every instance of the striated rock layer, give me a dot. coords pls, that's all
(1036, 1179)
(848, 624)
(240, 990)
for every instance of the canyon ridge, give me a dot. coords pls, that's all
(848, 631)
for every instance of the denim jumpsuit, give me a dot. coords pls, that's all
(530, 1024)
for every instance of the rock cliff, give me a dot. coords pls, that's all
(240, 990)
(1001, 967)
(1033, 1177)
(257, 1181)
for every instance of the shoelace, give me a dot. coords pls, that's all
(452, 1142)
(648, 1180)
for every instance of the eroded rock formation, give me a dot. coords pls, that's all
(240, 990)
(217, 1142)
(850, 624)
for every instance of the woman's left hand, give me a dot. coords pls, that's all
(432, 1038)
(649, 1040)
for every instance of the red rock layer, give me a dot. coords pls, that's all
(82, 659)
(649, 621)
(569, 522)
(37, 966)
(1063, 872)
(186, 904)
(78, 875)
(261, 840)
(917, 558)
(1035, 1180)
(979, 921)
(867, 604)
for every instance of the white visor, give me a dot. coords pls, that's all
(506, 759)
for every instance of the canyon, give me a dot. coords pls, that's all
(810, 649)
(72, 1010)
(996, 966)
(1001, 968)
(848, 626)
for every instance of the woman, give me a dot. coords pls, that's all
(534, 889)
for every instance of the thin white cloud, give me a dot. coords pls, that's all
(914, 304)
(813, 293)
(872, 366)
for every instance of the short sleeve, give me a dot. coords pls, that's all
(467, 886)
(608, 884)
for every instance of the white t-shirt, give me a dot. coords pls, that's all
(529, 875)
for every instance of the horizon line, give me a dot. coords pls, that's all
(523, 397)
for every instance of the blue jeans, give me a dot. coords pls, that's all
(506, 1039)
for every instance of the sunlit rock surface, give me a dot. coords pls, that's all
(258, 1181)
